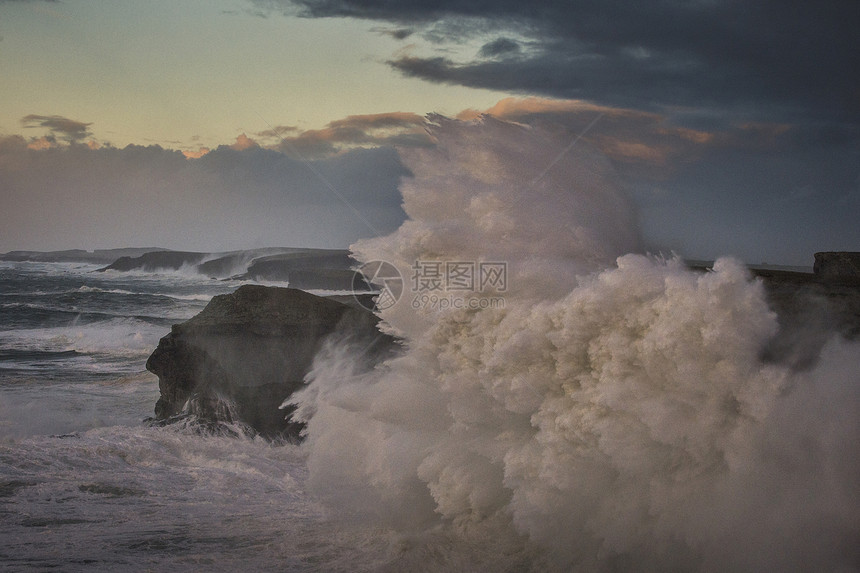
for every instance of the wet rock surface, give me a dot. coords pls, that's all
(838, 267)
(239, 358)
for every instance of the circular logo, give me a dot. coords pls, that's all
(377, 285)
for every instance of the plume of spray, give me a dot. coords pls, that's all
(615, 413)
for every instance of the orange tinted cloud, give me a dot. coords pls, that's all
(395, 120)
(512, 108)
(243, 142)
(634, 151)
(639, 139)
(196, 154)
(693, 135)
(45, 142)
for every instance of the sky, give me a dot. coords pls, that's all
(226, 124)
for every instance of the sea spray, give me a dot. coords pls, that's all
(615, 412)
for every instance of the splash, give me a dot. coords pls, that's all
(615, 413)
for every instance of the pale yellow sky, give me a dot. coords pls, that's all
(192, 73)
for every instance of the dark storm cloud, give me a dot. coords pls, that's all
(68, 129)
(499, 47)
(396, 33)
(771, 59)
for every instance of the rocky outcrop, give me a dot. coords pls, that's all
(809, 311)
(306, 269)
(837, 267)
(159, 260)
(283, 267)
(233, 263)
(246, 352)
(329, 279)
(225, 265)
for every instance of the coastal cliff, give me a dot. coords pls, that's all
(239, 358)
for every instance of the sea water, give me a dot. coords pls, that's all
(616, 413)
(86, 485)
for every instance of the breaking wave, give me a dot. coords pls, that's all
(615, 414)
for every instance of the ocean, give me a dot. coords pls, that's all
(609, 411)
(86, 484)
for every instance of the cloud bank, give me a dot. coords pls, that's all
(74, 196)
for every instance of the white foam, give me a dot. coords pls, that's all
(615, 411)
(111, 336)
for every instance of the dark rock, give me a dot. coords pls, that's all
(148, 262)
(224, 265)
(246, 352)
(281, 267)
(328, 279)
(308, 269)
(838, 267)
(810, 312)
(360, 300)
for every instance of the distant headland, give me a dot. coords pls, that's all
(308, 265)
(302, 268)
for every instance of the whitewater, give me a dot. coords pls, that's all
(615, 414)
